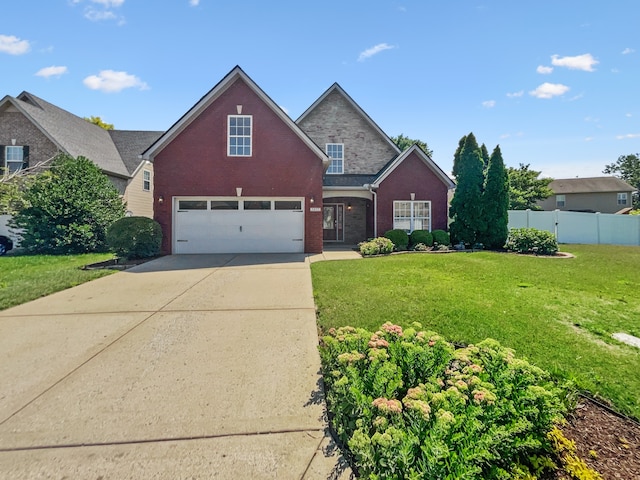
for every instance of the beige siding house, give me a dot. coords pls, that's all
(597, 194)
(33, 131)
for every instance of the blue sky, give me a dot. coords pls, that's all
(555, 83)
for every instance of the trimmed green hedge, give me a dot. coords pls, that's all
(441, 237)
(531, 240)
(135, 237)
(399, 238)
(421, 236)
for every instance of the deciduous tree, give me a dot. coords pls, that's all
(69, 208)
(404, 142)
(627, 167)
(525, 188)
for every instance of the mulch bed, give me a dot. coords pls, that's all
(118, 263)
(609, 443)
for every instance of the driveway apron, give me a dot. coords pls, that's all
(189, 366)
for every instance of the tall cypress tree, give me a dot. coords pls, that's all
(456, 156)
(495, 202)
(466, 205)
(485, 158)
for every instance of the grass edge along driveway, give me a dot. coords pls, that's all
(26, 277)
(559, 313)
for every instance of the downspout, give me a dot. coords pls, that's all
(370, 187)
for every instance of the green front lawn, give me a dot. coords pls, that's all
(27, 277)
(557, 313)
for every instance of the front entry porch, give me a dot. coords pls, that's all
(346, 220)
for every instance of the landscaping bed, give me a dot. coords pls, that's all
(117, 263)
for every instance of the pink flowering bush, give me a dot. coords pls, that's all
(406, 404)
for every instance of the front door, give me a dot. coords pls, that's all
(333, 222)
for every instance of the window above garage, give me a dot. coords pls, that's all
(239, 135)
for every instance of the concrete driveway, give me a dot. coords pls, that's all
(202, 366)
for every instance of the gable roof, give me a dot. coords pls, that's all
(337, 88)
(131, 144)
(70, 133)
(393, 164)
(211, 96)
(590, 185)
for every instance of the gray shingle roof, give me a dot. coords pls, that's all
(73, 134)
(590, 185)
(349, 180)
(131, 144)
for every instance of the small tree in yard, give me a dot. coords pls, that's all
(466, 205)
(495, 199)
(69, 208)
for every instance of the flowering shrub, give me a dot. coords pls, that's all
(409, 405)
(531, 240)
(377, 246)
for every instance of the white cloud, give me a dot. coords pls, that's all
(489, 103)
(579, 62)
(515, 94)
(99, 15)
(627, 51)
(628, 115)
(370, 52)
(549, 90)
(628, 136)
(589, 139)
(51, 71)
(109, 3)
(194, 3)
(13, 45)
(543, 70)
(109, 81)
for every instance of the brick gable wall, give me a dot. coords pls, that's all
(195, 163)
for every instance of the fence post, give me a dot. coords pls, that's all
(528, 212)
(598, 227)
(555, 224)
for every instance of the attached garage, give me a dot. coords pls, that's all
(238, 225)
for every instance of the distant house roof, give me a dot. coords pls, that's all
(131, 144)
(115, 152)
(590, 185)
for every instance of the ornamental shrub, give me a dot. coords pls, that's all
(407, 405)
(531, 240)
(441, 237)
(377, 246)
(68, 209)
(399, 238)
(421, 236)
(135, 237)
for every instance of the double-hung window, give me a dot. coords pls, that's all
(412, 215)
(560, 201)
(146, 180)
(335, 151)
(14, 158)
(239, 130)
(622, 198)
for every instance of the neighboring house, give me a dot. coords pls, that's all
(597, 194)
(33, 131)
(236, 174)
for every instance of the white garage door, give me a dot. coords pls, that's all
(234, 225)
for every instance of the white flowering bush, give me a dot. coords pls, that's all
(408, 405)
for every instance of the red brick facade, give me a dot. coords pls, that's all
(412, 176)
(195, 162)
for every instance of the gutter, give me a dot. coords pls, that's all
(371, 187)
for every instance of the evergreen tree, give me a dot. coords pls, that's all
(456, 156)
(495, 202)
(485, 158)
(466, 205)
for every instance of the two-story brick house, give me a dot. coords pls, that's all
(236, 174)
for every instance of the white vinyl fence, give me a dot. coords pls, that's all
(575, 227)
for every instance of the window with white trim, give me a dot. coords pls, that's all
(146, 180)
(560, 201)
(622, 198)
(14, 157)
(335, 151)
(411, 215)
(239, 131)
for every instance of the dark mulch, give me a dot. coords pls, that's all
(607, 442)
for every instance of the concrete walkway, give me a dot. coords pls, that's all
(191, 366)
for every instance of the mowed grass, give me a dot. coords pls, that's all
(559, 313)
(27, 277)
